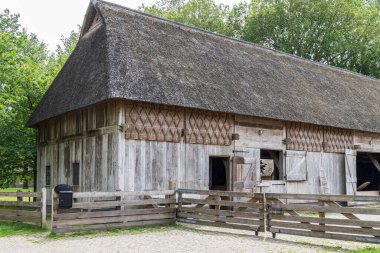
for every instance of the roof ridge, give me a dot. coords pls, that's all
(272, 50)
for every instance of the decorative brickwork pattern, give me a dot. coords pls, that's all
(169, 123)
(336, 140)
(308, 137)
(153, 122)
(209, 127)
(304, 137)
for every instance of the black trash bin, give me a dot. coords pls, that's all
(65, 193)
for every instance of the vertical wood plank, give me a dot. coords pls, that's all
(104, 164)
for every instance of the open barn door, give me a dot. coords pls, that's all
(245, 173)
(350, 171)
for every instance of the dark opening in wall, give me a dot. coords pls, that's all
(75, 174)
(368, 176)
(218, 173)
(271, 164)
(47, 176)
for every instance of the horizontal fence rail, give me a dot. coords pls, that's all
(28, 207)
(222, 209)
(325, 217)
(105, 210)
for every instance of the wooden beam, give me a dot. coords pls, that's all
(275, 158)
(374, 161)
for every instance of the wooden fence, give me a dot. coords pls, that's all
(104, 210)
(29, 207)
(326, 217)
(240, 210)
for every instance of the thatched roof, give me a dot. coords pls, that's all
(136, 56)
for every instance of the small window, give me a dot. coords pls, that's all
(47, 176)
(75, 174)
(271, 167)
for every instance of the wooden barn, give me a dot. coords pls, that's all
(146, 103)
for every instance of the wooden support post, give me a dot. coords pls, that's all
(172, 196)
(217, 207)
(43, 208)
(19, 200)
(265, 213)
(179, 201)
(54, 208)
(321, 214)
(118, 198)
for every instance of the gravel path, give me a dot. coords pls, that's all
(184, 238)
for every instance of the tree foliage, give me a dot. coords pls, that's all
(341, 33)
(27, 69)
(204, 14)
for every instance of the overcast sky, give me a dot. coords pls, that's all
(50, 19)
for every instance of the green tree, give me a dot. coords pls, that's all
(27, 69)
(204, 14)
(340, 33)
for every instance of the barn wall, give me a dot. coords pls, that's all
(257, 134)
(163, 147)
(332, 163)
(367, 142)
(158, 154)
(89, 137)
(152, 165)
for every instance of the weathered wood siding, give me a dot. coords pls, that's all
(167, 147)
(367, 142)
(259, 133)
(256, 134)
(151, 165)
(89, 137)
(332, 163)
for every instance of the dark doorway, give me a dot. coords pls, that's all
(219, 173)
(271, 164)
(368, 176)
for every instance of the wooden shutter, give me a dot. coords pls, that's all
(350, 171)
(296, 166)
(244, 173)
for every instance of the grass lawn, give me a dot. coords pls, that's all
(26, 199)
(18, 228)
(366, 250)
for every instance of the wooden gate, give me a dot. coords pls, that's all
(326, 217)
(243, 210)
(29, 207)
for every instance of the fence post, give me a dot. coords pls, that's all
(265, 213)
(19, 203)
(179, 201)
(43, 207)
(321, 214)
(54, 208)
(19, 200)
